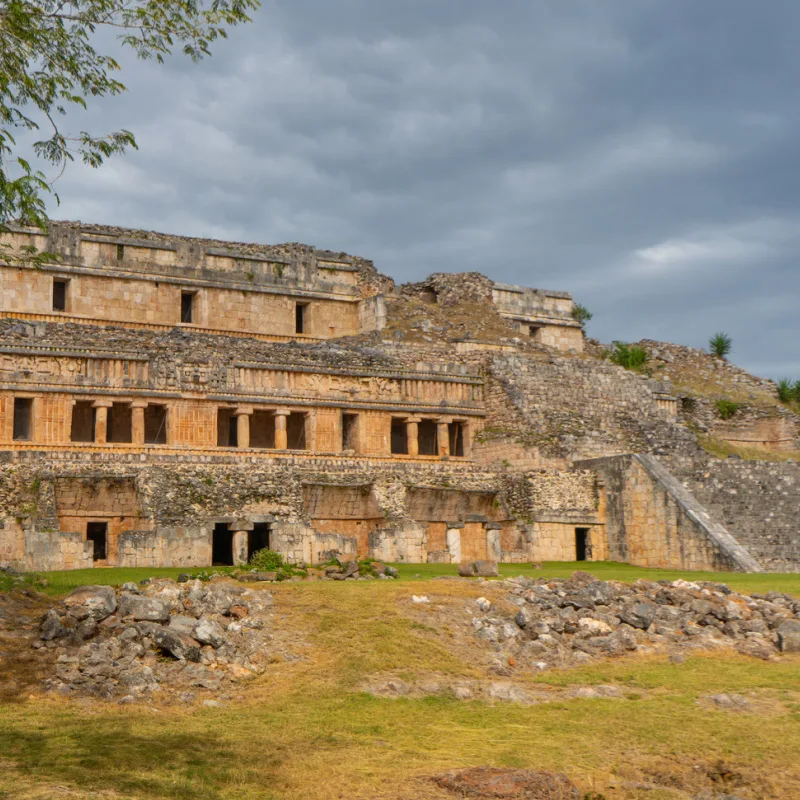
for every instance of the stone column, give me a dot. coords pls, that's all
(281, 438)
(412, 435)
(137, 421)
(68, 408)
(443, 437)
(453, 536)
(242, 415)
(101, 421)
(494, 549)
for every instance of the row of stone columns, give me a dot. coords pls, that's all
(243, 414)
(442, 437)
(101, 421)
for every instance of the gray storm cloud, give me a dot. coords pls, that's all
(639, 153)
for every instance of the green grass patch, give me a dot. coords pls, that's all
(62, 582)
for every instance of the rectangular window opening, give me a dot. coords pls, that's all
(258, 539)
(187, 307)
(428, 433)
(84, 415)
(227, 428)
(155, 424)
(296, 431)
(456, 432)
(262, 430)
(120, 252)
(97, 534)
(399, 437)
(120, 424)
(23, 419)
(60, 294)
(300, 319)
(582, 546)
(222, 546)
(350, 432)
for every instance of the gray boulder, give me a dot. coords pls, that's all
(478, 569)
(789, 636)
(639, 613)
(142, 608)
(91, 602)
(206, 631)
(184, 648)
(51, 627)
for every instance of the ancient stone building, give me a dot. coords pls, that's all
(174, 401)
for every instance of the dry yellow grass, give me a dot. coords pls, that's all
(304, 731)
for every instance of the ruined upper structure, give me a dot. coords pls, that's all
(176, 401)
(152, 281)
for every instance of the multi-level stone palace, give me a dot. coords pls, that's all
(175, 401)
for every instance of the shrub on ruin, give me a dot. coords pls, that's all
(629, 356)
(581, 314)
(788, 391)
(720, 345)
(727, 408)
(266, 561)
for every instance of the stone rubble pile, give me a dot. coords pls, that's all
(139, 639)
(565, 622)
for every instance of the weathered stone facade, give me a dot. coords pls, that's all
(185, 402)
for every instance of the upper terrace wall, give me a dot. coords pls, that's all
(113, 276)
(73, 389)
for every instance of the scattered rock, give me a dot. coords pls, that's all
(91, 602)
(483, 604)
(478, 569)
(419, 598)
(519, 784)
(564, 622)
(166, 633)
(142, 608)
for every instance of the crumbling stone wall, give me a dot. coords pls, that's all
(757, 501)
(314, 506)
(581, 409)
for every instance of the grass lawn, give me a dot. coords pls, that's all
(305, 730)
(63, 582)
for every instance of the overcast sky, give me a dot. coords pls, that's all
(641, 154)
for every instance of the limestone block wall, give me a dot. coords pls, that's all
(561, 337)
(158, 302)
(757, 501)
(165, 514)
(653, 521)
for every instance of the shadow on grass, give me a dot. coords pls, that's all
(96, 754)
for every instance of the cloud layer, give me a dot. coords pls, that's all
(639, 153)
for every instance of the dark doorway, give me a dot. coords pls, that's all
(60, 294)
(262, 430)
(227, 428)
(350, 432)
(155, 424)
(120, 424)
(23, 419)
(428, 433)
(296, 431)
(83, 421)
(300, 322)
(399, 437)
(187, 307)
(456, 433)
(222, 546)
(97, 534)
(581, 544)
(258, 539)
